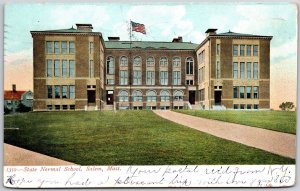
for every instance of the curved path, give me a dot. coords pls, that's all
(283, 144)
(16, 156)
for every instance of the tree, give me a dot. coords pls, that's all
(286, 106)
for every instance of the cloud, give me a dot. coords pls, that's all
(18, 70)
(287, 49)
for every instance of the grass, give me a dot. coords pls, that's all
(126, 138)
(283, 121)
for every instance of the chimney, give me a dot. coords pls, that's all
(113, 38)
(85, 27)
(210, 32)
(14, 88)
(179, 39)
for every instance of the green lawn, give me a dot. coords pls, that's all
(283, 121)
(126, 138)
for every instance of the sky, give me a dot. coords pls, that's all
(163, 22)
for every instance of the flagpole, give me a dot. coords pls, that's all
(129, 65)
(130, 32)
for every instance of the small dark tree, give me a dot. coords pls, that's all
(23, 108)
(6, 110)
(286, 106)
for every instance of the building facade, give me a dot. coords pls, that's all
(75, 69)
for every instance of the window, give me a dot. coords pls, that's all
(137, 77)
(150, 61)
(123, 96)
(91, 47)
(255, 70)
(72, 68)
(249, 106)
(218, 49)
(248, 89)
(242, 70)
(163, 62)
(163, 77)
(64, 91)
(64, 107)
(137, 96)
(218, 70)
(150, 78)
(56, 47)
(189, 82)
(71, 47)
(235, 70)
(137, 61)
(110, 65)
(64, 68)
(164, 95)
(189, 65)
(57, 107)
(202, 94)
(57, 91)
(56, 68)
(49, 47)
(201, 57)
(64, 47)
(110, 81)
(49, 91)
(242, 50)
(255, 50)
(249, 50)
(235, 106)
(242, 92)
(72, 107)
(176, 78)
(123, 61)
(235, 50)
(235, 92)
(71, 92)
(123, 77)
(242, 106)
(151, 96)
(201, 74)
(176, 62)
(249, 70)
(49, 107)
(255, 92)
(255, 106)
(91, 67)
(49, 68)
(178, 96)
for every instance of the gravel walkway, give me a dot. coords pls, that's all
(16, 156)
(283, 144)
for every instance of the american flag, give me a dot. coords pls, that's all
(137, 27)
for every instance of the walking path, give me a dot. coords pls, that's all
(16, 156)
(275, 142)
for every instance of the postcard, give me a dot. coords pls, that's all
(150, 95)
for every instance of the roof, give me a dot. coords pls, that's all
(13, 95)
(69, 30)
(233, 34)
(150, 45)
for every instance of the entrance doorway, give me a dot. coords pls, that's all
(91, 96)
(109, 97)
(218, 97)
(192, 96)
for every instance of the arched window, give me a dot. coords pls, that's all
(163, 61)
(151, 96)
(123, 61)
(137, 61)
(176, 62)
(123, 96)
(178, 95)
(189, 65)
(150, 61)
(164, 95)
(110, 65)
(137, 95)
